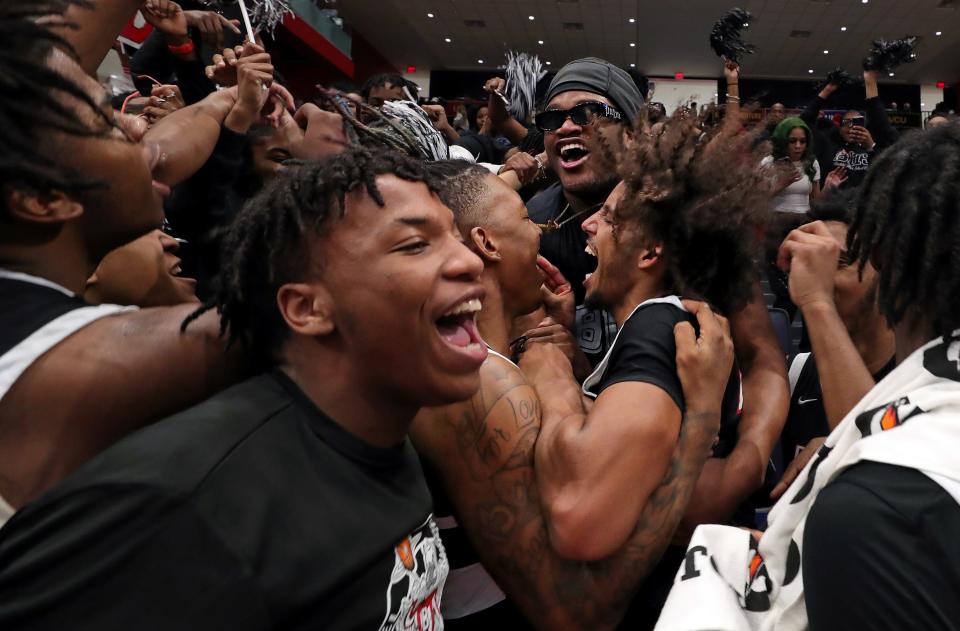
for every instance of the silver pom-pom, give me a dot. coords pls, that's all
(524, 71)
(416, 121)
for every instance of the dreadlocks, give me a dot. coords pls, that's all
(907, 221)
(704, 200)
(37, 101)
(267, 245)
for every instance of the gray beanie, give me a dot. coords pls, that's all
(601, 77)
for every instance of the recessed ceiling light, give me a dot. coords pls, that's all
(939, 33)
(746, 25)
(429, 15)
(540, 41)
(893, 74)
(530, 17)
(447, 40)
(479, 61)
(810, 71)
(633, 65)
(632, 20)
(826, 52)
(548, 63)
(866, 1)
(633, 45)
(843, 28)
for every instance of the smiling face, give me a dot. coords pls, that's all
(568, 149)
(131, 203)
(616, 259)
(406, 293)
(144, 272)
(797, 143)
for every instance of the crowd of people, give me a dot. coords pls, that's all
(355, 360)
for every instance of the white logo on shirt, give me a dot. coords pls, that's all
(803, 401)
(420, 570)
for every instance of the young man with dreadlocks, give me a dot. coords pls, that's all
(585, 97)
(479, 453)
(293, 499)
(866, 538)
(677, 225)
(853, 346)
(78, 182)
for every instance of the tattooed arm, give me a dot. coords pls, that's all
(483, 450)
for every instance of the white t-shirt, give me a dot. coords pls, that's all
(796, 197)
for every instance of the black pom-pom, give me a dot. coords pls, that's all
(840, 78)
(885, 56)
(725, 38)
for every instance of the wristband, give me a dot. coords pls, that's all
(182, 49)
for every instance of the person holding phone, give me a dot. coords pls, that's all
(861, 136)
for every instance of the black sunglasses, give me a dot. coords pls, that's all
(582, 114)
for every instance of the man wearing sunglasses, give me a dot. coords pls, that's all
(586, 95)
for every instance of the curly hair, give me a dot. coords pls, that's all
(35, 106)
(703, 198)
(267, 244)
(907, 222)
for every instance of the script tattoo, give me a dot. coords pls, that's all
(503, 517)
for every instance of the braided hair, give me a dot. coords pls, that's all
(704, 200)
(39, 100)
(267, 244)
(907, 222)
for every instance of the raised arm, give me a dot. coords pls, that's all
(505, 124)
(731, 120)
(810, 255)
(878, 122)
(187, 137)
(812, 111)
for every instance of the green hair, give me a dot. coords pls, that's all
(781, 146)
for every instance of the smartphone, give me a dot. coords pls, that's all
(858, 121)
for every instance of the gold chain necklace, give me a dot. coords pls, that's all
(555, 224)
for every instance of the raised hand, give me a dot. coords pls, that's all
(810, 255)
(212, 26)
(166, 16)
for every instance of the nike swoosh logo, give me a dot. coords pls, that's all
(803, 401)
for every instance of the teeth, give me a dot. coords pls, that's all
(468, 306)
(176, 270)
(566, 148)
(589, 250)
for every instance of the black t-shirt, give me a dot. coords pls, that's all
(807, 418)
(881, 552)
(646, 350)
(252, 510)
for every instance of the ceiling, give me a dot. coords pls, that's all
(669, 35)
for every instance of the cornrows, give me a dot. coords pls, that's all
(267, 244)
(907, 221)
(37, 99)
